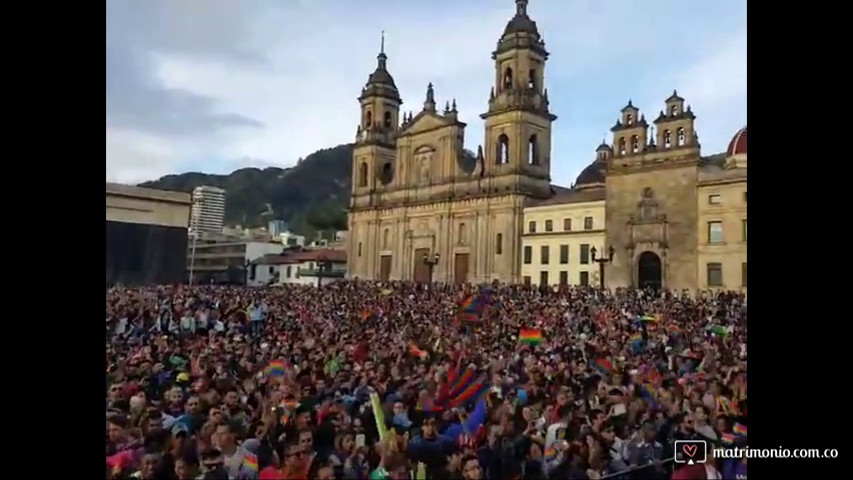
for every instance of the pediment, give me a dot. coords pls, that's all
(426, 121)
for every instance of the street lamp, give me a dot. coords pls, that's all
(431, 261)
(601, 261)
(246, 265)
(322, 265)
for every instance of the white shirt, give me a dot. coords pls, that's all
(712, 473)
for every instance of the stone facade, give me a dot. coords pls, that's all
(422, 206)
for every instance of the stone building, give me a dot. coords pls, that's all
(423, 208)
(421, 205)
(674, 218)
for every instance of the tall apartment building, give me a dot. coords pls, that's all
(208, 210)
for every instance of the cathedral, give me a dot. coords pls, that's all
(425, 209)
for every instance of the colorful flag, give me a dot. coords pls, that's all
(276, 368)
(414, 350)
(530, 336)
(649, 318)
(472, 393)
(649, 393)
(603, 366)
(727, 439)
(250, 462)
(739, 429)
(457, 383)
(472, 307)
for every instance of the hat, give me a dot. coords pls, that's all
(180, 428)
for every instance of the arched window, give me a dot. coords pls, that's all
(635, 144)
(462, 234)
(667, 138)
(368, 119)
(532, 150)
(385, 237)
(508, 77)
(629, 119)
(622, 146)
(502, 154)
(681, 139)
(674, 110)
(359, 250)
(531, 81)
(499, 244)
(387, 120)
(387, 173)
(362, 175)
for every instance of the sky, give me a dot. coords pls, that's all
(217, 85)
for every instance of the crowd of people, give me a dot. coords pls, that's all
(361, 380)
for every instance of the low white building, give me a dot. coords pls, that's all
(225, 260)
(290, 239)
(305, 267)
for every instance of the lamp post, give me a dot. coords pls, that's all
(431, 260)
(322, 265)
(246, 265)
(601, 261)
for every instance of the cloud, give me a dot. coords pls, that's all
(218, 85)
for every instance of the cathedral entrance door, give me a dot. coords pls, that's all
(420, 269)
(649, 271)
(384, 268)
(460, 268)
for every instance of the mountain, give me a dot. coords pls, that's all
(311, 196)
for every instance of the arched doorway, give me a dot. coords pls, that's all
(649, 271)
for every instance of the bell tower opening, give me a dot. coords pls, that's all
(532, 153)
(507, 78)
(502, 150)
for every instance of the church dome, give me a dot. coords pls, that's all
(593, 174)
(738, 144)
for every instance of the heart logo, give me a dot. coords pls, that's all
(689, 450)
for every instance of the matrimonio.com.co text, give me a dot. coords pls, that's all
(778, 452)
(696, 451)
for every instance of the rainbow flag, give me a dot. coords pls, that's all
(250, 462)
(649, 318)
(414, 350)
(603, 366)
(276, 368)
(530, 336)
(551, 452)
(458, 383)
(739, 429)
(472, 307)
(648, 392)
(727, 439)
(473, 393)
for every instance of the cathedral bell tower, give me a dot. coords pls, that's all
(374, 152)
(517, 153)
